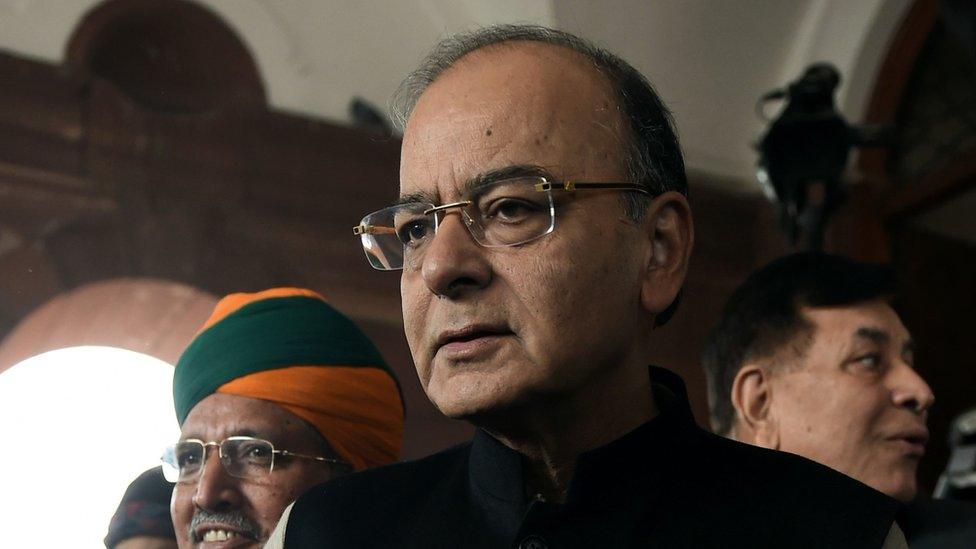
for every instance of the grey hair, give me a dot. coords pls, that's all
(653, 158)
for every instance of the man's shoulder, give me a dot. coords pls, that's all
(379, 496)
(798, 491)
(786, 475)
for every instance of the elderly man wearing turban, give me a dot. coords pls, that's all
(278, 392)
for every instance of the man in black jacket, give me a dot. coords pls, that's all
(543, 231)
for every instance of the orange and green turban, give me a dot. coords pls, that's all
(289, 347)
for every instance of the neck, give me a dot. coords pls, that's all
(551, 433)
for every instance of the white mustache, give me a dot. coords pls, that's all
(237, 520)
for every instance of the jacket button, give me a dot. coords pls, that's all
(533, 542)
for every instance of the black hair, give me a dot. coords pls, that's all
(763, 316)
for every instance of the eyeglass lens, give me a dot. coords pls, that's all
(502, 213)
(242, 457)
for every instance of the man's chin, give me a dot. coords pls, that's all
(475, 392)
(905, 492)
(900, 486)
(480, 407)
(466, 410)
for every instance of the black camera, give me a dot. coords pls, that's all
(805, 151)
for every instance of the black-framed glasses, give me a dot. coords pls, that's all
(502, 213)
(241, 457)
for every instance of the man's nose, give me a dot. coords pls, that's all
(216, 490)
(453, 262)
(911, 391)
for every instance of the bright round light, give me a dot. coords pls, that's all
(77, 426)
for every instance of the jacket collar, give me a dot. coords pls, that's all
(642, 454)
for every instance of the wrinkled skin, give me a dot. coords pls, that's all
(851, 401)
(259, 502)
(571, 312)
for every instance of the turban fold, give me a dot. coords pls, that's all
(289, 347)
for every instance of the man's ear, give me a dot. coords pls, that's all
(752, 398)
(669, 226)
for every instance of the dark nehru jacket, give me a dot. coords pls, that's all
(667, 483)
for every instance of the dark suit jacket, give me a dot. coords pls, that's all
(668, 483)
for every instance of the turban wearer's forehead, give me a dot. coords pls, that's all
(288, 346)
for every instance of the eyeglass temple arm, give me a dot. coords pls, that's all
(363, 228)
(581, 186)
(286, 453)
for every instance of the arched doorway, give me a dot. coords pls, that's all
(106, 171)
(917, 204)
(154, 317)
(86, 403)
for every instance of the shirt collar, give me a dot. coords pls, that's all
(642, 453)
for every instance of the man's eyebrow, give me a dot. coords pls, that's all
(412, 198)
(484, 178)
(508, 172)
(873, 334)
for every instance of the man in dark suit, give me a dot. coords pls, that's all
(809, 357)
(543, 232)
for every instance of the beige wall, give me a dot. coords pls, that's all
(710, 59)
